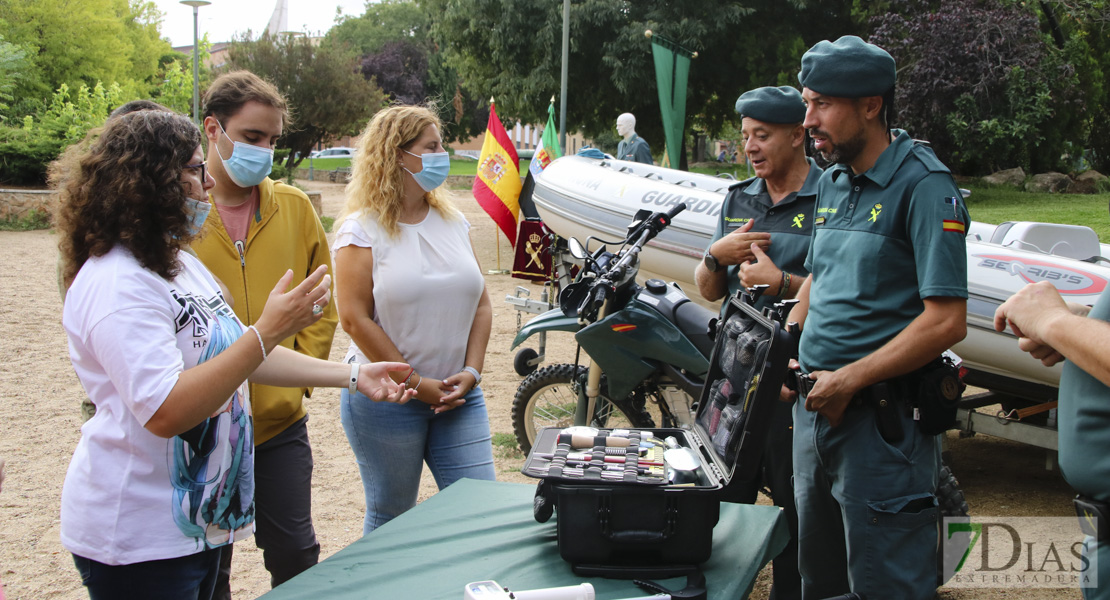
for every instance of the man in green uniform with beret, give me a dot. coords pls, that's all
(1053, 331)
(762, 238)
(886, 296)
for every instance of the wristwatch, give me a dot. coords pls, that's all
(475, 373)
(710, 262)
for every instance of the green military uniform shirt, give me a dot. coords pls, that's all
(882, 242)
(1084, 424)
(790, 223)
(635, 149)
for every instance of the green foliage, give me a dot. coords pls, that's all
(1008, 136)
(84, 42)
(328, 97)
(328, 223)
(506, 445)
(176, 90)
(392, 28)
(26, 150)
(383, 22)
(1000, 204)
(36, 219)
(511, 49)
(13, 64)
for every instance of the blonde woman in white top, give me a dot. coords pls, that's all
(409, 288)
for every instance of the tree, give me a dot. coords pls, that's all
(978, 80)
(328, 96)
(400, 69)
(511, 49)
(75, 43)
(13, 64)
(1081, 30)
(27, 148)
(392, 39)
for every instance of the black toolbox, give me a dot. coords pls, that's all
(620, 511)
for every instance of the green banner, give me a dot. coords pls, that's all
(672, 69)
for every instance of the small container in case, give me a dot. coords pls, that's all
(627, 512)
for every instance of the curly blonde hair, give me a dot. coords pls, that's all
(376, 177)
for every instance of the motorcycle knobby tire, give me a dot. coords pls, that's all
(552, 393)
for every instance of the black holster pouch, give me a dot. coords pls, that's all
(888, 411)
(935, 390)
(1093, 515)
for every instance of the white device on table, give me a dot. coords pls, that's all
(491, 590)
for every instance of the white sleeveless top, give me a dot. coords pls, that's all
(427, 284)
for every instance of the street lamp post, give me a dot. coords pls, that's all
(196, 4)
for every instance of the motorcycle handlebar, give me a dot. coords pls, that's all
(648, 230)
(681, 206)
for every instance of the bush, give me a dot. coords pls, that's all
(25, 152)
(979, 81)
(36, 219)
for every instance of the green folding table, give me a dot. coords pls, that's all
(480, 530)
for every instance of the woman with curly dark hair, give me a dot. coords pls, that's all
(162, 479)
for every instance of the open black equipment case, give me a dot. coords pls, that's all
(619, 513)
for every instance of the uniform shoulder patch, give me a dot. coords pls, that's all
(925, 154)
(739, 185)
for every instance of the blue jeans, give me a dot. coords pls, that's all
(391, 441)
(191, 577)
(867, 510)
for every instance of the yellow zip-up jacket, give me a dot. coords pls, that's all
(284, 233)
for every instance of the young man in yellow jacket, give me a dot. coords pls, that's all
(259, 230)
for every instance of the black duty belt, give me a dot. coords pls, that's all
(879, 396)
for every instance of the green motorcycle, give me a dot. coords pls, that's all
(648, 345)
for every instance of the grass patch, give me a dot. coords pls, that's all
(460, 166)
(740, 172)
(470, 167)
(505, 445)
(991, 204)
(327, 222)
(326, 164)
(34, 220)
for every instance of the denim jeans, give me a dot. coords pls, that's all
(867, 510)
(189, 577)
(391, 441)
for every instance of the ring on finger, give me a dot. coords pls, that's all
(317, 309)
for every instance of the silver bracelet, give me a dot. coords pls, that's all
(260, 344)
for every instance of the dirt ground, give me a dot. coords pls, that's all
(41, 428)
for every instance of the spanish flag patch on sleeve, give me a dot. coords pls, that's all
(956, 226)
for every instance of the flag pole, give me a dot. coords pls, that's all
(496, 237)
(498, 270)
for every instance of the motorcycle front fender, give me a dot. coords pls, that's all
(552, 320)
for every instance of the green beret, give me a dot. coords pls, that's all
(772, 105)
(847, 68)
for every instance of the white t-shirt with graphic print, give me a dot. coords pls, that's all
(129, 495)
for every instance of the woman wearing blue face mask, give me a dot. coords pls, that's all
(411, 290)
(162, 481)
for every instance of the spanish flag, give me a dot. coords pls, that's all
(497, 186)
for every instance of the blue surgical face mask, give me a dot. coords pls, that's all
(248, 165)
(433, 170)
(198, 214)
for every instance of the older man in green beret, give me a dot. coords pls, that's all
(886, 296)
(762, 237)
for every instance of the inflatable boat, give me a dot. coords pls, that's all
(582, 197)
